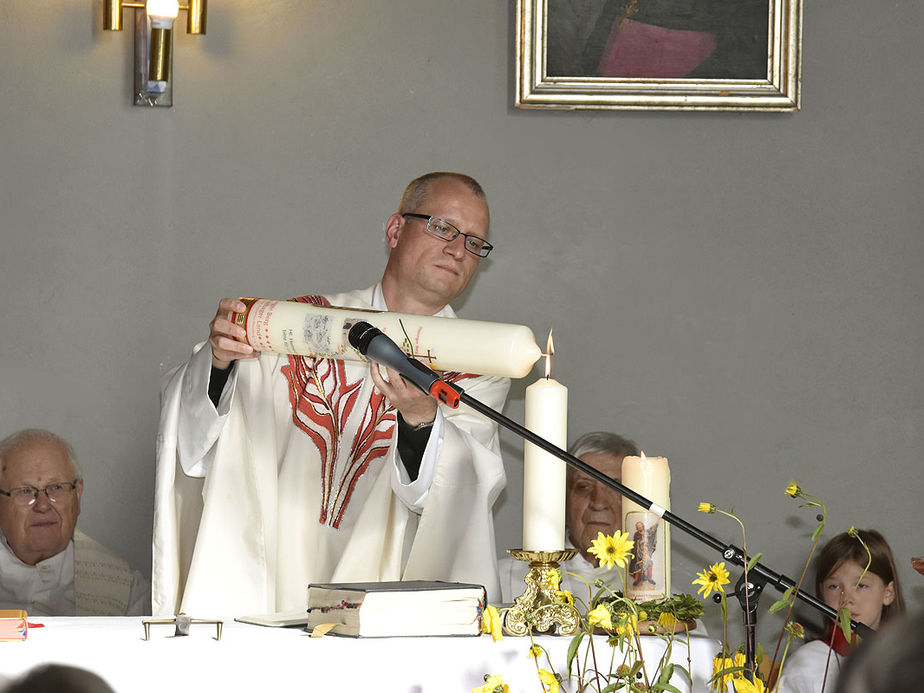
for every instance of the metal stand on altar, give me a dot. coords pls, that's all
(182, 622)
(540, 607)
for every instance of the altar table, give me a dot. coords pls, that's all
(255, 658)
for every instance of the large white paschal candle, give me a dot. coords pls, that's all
(544, 475)
(445, 344)
(648, 575)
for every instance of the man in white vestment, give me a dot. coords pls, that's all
(590, 507)
(47, 567)
(321, 470)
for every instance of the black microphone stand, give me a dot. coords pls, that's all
(759, 575)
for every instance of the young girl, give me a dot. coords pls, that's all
(872, 597)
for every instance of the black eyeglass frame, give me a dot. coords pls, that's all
(35, 491)
(486, 247)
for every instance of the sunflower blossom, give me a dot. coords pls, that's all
(549, 681)
(712, 579)
(612, 550)
(628, 625)
(600, 617)
(491, 623)
(706, 508)
(493, 683)
(553, 580)
(793, 490)
(742, 685)
(722, 663)
(667, 620)
(534, 652)
(566, 597)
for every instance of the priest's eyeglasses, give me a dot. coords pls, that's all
(445, 231)
(27, 495)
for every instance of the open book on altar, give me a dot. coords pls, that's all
(280, 619)
(393, 609)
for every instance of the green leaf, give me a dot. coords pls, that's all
(818, 530)
(754, 560)
(665, 687)
(783, 602)
(572, 649)
(844, 618)
(778, 605)
(666, 672)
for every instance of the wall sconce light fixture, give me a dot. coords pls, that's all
(153, 85)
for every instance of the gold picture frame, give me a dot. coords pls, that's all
(590, 37)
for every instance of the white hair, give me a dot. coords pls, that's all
(28, 436)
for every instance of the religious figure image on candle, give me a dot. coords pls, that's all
(646, 570)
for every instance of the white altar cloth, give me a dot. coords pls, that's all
(259, 658)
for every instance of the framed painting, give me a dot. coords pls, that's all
(700, 55)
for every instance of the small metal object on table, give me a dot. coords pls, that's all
(182, 623)
(540, 607)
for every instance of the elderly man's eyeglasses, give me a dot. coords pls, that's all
(27, 495)
(445, 231)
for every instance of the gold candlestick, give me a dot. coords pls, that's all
(540, 607)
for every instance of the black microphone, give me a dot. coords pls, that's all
(375, 345)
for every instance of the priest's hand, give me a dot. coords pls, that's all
(223, 335)
(417, 408)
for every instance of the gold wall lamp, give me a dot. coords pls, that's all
(153, 84)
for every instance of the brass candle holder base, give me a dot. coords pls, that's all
(540, 607)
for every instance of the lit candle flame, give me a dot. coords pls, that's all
(549, 350)
(643, 454)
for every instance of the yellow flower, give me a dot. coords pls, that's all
(628, 625)
(793, 489)
(712, 579)
(600, 617)
(566, 597)
(742, 685)
(493, 683)
(667, 620)
(706, 508)
(643, 615)
(534, 652)
(491, 623)
(549, 681)
(721, 664)
(612, 550)
(553, 580)
(853, 532)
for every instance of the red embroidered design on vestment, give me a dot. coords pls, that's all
(322, 402)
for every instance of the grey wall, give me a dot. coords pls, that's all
(740, 293)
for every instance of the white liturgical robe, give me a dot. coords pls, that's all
(302, 483)
(85, 579)
(804, 671)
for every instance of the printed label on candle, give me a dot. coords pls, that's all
(647, 567)
(442, 343)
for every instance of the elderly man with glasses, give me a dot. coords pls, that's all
(48, 567)
(320, 470)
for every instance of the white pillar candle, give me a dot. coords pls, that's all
(544, 474)
(649, 573)
(445, 344)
